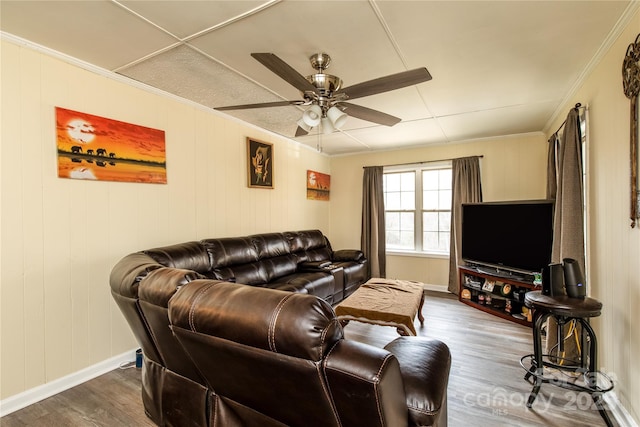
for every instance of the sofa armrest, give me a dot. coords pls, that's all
(314, 265)
(366, 384)
(348, 255)
(424, 366)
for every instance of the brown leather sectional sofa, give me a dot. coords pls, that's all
(218, 353)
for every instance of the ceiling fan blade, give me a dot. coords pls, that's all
(285, 71)
(301, 132)
(261, 105)
(387, 83)
(364, 113)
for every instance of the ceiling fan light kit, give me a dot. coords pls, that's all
(303, 125)
(327, 126)
(326, 97)
(337, 117)
(312, 116)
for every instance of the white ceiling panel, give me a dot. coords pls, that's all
(280, 120)
(501, 53)
(503, 121)
(286, 30)
(425, 131)
(498, 67)
(209, 83)
(99, 32)
(334, 143)
(185, 18)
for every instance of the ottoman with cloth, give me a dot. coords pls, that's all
(386, 302)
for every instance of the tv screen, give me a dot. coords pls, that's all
(514, 235)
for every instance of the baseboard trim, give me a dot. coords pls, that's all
(435, 288)
(36, 394)
(619, 412)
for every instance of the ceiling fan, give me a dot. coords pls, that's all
(326, 98)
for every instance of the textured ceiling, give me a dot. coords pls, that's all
(498, 67)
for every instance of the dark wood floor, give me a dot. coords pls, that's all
(486, 386)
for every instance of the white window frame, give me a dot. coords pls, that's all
(418, 210)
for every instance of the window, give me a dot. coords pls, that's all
(417, 204)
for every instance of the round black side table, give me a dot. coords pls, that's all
(565, 309)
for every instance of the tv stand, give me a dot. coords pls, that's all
(495, 291)
(499, 273)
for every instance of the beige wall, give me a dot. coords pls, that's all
(513, 168)
(60, 237)
(614, 247)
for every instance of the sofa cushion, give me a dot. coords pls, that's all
(316, 283)
(302, 240)
(230, 251)
(317, 254)
(279, 266)
(270, 245)
(252, 273)
(189, 255)
(349, 255)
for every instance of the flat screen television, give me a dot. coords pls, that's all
(515, 236)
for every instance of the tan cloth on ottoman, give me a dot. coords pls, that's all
(384, 302)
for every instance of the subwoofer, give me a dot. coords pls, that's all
(553, 280)
(573, 279)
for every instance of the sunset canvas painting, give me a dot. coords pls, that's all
(96, 148)
(318, 185)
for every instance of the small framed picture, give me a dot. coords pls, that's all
(260, 164)
(318, 185)
(488, 286)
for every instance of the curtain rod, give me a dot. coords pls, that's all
(577, 107)
(425, 161)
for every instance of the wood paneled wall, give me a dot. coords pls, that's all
(61, 237)
(614, 247)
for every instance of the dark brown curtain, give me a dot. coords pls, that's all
(372, 238)
(568, 223)
(564, 173)
(552, 171)
(466, 188)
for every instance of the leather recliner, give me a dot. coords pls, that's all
(275, 358)
(142, 283)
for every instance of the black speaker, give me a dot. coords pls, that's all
(553, 280)
(573, 279)
(546, 280)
